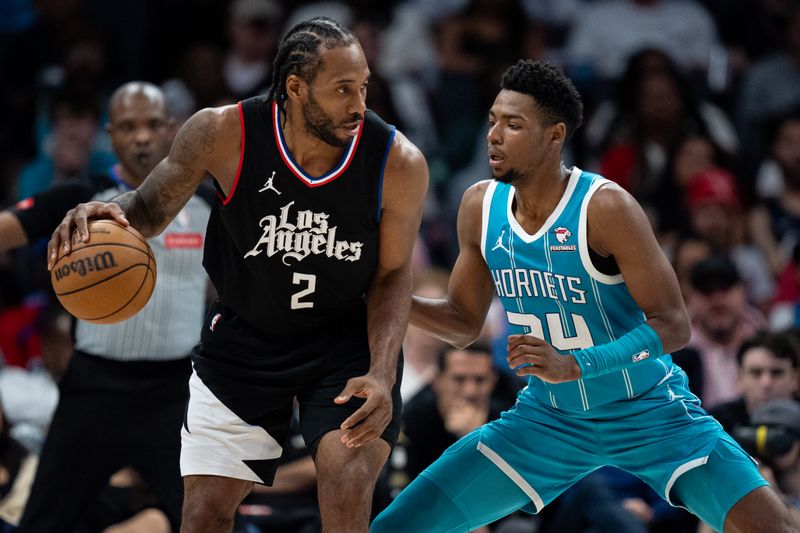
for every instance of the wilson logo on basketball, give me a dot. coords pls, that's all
(101, 261)
(183, 240)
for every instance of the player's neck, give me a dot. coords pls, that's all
(314, 155)
(538, 194)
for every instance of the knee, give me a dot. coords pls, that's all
(202, 512)
(347, 480)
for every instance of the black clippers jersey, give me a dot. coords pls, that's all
(289, 252)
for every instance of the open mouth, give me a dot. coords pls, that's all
(495, 160)
(352, 127)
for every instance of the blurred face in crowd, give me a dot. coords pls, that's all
(764, 377)
(687, 255)
(718, 311)
(467, 377)
(714, 222)
(694, 155)
(140, 129)
(786, 150)
(253, 40)
(335, 100)
(73, 133)
(659, 100)
(517, 136)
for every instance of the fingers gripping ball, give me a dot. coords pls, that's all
(108, 279)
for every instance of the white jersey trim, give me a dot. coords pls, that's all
(583, 245)
(485, 214)
(562, 204)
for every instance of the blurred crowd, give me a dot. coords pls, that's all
(693, 106)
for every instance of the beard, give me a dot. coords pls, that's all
(509, 177)
(320, 124)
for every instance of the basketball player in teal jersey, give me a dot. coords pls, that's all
(595, 309)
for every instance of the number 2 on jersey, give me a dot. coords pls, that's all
(581, 339)
(311, 284)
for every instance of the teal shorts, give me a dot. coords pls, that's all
(533, 453)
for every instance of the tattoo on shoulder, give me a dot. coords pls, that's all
(196, 137)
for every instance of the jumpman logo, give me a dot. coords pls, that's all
(269, 185)
(499, 243)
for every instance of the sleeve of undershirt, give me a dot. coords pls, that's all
(40, 214)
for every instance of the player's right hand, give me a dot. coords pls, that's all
(76, 220)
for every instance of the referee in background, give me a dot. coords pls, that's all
(124, 392)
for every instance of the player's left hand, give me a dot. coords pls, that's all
(369, 421)
(540, 359)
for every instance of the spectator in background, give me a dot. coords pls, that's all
(70, 154)
(721, 321)
(17, 467)
(775, 223)
(769, 89)
(253, 32)
(198, 82)
(779, 450)
(693, 154)
(605, 34)
(785, 310)
(655, 111)
(380, 96)
(475, 44)
(715, 215)
(458, 401)
(767, 371)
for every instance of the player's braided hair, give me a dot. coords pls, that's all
(299, 52)
(556, 97)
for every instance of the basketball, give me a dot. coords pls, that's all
(108, 279)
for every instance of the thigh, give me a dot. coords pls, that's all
(541, 449)
(318, 412)
(711, 490)
(664, 435)
(460, 491)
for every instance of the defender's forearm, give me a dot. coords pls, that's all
(440, 318)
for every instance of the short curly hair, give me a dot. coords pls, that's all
(554, 94)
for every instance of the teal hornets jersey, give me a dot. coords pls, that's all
(550, 289)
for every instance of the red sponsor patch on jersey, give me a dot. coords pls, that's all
(27, 203)
(183, 240)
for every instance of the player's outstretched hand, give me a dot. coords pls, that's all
(77, 219)
(369, 421)
(529, 355)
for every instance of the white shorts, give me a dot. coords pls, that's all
(216, 442)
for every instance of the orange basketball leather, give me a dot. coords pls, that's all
(108, 279)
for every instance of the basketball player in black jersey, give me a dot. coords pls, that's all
(319, 203)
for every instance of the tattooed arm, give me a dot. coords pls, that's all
(209, 142)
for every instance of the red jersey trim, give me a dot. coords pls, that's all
(226, 201)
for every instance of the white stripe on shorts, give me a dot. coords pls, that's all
(218, 441)
(508, 470)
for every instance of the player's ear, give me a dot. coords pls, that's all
(296, 87)
(558, 134)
